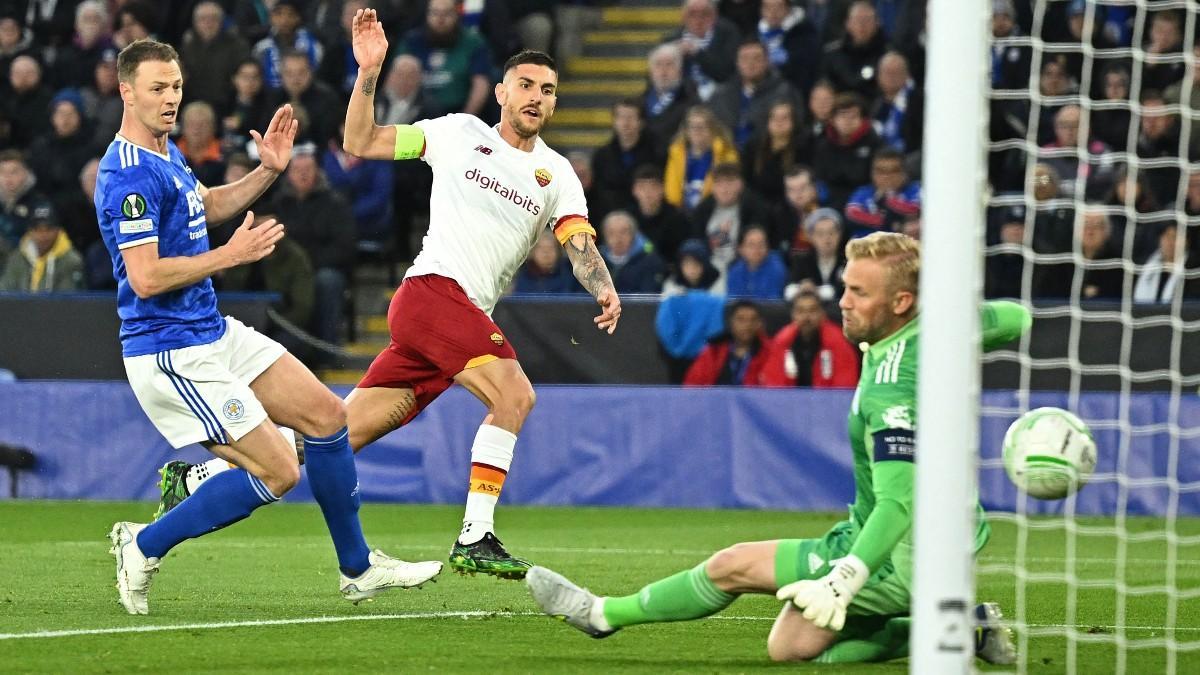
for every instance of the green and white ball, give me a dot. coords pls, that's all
(1049, 453)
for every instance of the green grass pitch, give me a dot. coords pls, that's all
(278, 566)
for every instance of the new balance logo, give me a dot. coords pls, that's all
(484, 149)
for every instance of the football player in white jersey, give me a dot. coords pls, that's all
(495, 190)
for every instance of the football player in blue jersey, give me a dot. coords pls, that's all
(204, 378)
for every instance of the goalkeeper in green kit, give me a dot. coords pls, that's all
(847, 594)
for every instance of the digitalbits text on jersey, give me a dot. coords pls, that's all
(488, 183)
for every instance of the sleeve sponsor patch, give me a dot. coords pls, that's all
(894, 445)
(136, 226)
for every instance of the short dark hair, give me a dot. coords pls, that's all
(530, 56)
(848, 100)
(648, 172)
(14, 155)
(139, 51)
(727, 170)
(752, 41)
(805, 294)
(630, 102)
(888, 154)
(742, 304)
(796, 170)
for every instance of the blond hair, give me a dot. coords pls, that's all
(899, 253)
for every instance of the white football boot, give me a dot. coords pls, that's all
(993, 639)
(386, 572)
(134, 570)
(562, 599)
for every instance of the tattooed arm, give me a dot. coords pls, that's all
(592, 273)
(363, 138)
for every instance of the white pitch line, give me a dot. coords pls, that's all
(422, 615)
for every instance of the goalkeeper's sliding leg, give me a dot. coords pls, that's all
(876, 628)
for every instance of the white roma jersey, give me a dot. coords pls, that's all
(489, 205)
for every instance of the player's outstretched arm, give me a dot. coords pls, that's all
(363, 138)
(592, 273)
(274, 150)
(150, 275)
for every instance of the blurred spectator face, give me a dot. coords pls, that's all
(442, 17)
(699, 134)
(235, 171)
(753, 248)
(65, 119)
(1012, 233)
(825, 237)
(106, 78)
(847, 121)
(1156, 121)
(1116, 85)
(1075, 24)
(1096, 230)
(893, 74)
(773, 12)
(90, 20)
(691, 270)
(911, 227)
(820, 103)
(666, 69)
(779, 121)
(1166, 244)
(618, 233)
(861, 23)
(1193, 188)
(87, 177)
(404, 79)
(285, 19)
(649, 194)
(24, 74)
(800, 191)
(1054, 79)
(348, 11)
(627, 123)
(545, 253)
(699, 16)
(247, 80)
(727, 190)
(302, 173)
(10, 33)
(131, 28)
(1002, 24)
(199, 126)
(582, 164)
(887, 174)
(752, 63)
(1165, 33)
(206, 20)
(807, 313)
(1066, 126)
(296, 75)
(744, 325)
(13, 176)
(1045, 183)
(43, 235)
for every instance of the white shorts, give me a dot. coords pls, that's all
(202, 394)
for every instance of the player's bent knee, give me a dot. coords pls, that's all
(281, 477)
(326, 417)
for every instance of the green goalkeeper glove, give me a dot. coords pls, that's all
(824, 601)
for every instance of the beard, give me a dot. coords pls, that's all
(523, 129)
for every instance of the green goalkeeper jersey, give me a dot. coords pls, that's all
(883, 422)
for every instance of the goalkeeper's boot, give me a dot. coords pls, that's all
(487, 556)
(993, 640)
(134, 570)
(565, 601)
(386, 572)
(172, 486)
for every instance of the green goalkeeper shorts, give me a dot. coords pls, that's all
(886, 593)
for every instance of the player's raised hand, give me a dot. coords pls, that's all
(610, 305)
(368, 39)
(275, 148)
(252, 242)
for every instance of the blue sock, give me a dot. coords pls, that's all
(221, 500)
(329, 463)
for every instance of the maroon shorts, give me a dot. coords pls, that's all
(436, 334)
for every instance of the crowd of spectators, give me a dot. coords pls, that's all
(769, 132)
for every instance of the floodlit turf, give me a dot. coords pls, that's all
(279, 566)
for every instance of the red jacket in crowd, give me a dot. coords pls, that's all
(836, 363)
(707, 367)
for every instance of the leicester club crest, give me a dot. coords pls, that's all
(133, 206)
(233, 410)
(543, 177)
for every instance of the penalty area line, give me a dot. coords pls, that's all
(477, 614)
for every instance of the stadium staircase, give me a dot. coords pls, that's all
(612, 65)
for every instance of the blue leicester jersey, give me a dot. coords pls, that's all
(144, 198)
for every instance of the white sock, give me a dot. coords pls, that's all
(491, 456)
(202, 472)
(596, 615)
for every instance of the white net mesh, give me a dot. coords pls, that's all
(1096, 139)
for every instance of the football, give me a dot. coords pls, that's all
(1049, 453)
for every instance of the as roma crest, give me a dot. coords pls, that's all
(543, 177)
